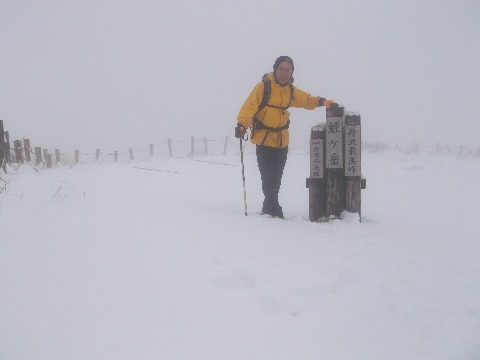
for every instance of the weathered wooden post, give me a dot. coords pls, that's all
(97, 155)
(225, 146)
(353, 175)
(334, 162)
(27, 150)
(130, 150)
(3, 160)
(77, 156)
(316, 182)
(205, 140)
(45, 155)
(170, 152)
(7, 147)
(151, 150)
(17, 145)
(57, 155)
(192, 147)
(38, 155)
(115, 155)
(49, 161)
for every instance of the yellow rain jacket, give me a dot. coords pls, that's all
(273, 117)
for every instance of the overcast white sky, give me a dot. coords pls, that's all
(121, 73)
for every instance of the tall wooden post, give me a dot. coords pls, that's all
(97, 155)
(316, 183)
(17, 145)
(38, 155)
(192, 146)
(27, 150)
(3, 159)
(130, 150)
(170, 152)
(151, 150)
(205, 140)
(57, 155)
(45, 155)
(225, 146)
(334, 162)
(353, 175)
(115, 155)
(49, 161)
(77, 156)
(7, 146)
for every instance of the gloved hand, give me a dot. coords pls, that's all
(328, 103)
(239, 131)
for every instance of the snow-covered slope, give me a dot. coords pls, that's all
(117, 261)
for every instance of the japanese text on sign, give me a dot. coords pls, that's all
(352, 150)
(334, 143)
(316, 158)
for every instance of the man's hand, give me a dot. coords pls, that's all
(327, 103)
(330, 104)
(239, 131)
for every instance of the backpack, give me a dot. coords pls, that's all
(267, 90)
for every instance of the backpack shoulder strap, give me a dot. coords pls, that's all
(267, 90)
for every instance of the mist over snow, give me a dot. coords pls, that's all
(119, 74)
(154, 259)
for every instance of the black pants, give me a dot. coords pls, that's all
(271, 162)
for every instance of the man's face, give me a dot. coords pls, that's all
(284, 72)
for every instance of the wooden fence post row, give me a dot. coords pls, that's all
(335, 166)
(22, 151)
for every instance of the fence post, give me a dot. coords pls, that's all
(353, 165)
(57, 155)
(7, 146)
(38, 155)
(334, 162)
(27, 149)
(49, 161)
(115, 155)
(192, 149)
(3, 157)
(130, 150)
(206, 145)
(17, 145)
(77, 156)
(225, 146)
(170, 152)
(316, 183)
(151, 150)
(45, 155)
(97, 155)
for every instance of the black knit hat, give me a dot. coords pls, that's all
(281, 59)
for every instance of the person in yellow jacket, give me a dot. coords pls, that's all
(265, 111)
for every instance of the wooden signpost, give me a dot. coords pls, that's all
(335, 180)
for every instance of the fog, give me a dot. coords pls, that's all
(124, 73)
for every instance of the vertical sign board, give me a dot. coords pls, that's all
(335, 177)
(316, 154)
(352, 150)
(353, 166)
(316, 183)
(334, 142)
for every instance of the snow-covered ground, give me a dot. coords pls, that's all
(114, 261)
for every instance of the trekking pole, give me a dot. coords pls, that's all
(243, 177)
(240, 136)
